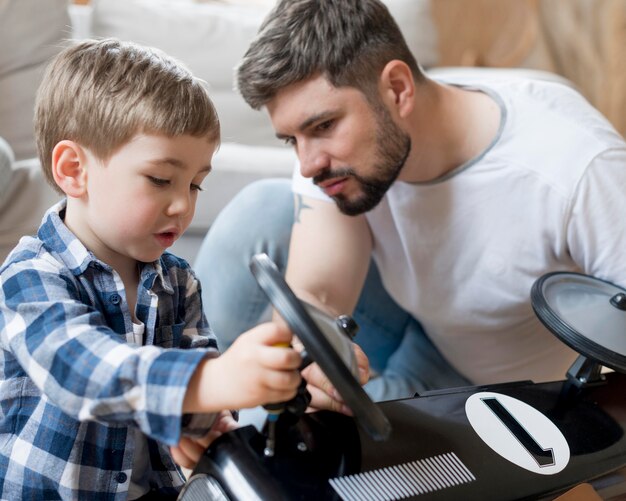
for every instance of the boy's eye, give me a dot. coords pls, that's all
(158, 181)
(291, 141)
(196, 187)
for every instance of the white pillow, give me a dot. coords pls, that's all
(211, 38)
(31, 32)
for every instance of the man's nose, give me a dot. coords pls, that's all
(313, 160)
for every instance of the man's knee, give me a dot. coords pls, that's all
(257, 219)
(265, 195)
(260, 208)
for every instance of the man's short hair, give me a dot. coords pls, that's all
(347, 41)
(100, 93)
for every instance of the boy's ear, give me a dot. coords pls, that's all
(69, 168)
(398, 86)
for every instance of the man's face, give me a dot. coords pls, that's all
(353, 151)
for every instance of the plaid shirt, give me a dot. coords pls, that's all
(72, 388)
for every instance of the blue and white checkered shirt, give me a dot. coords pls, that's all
(73, 388)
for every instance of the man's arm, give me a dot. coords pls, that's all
(595, 235)
(329, 257)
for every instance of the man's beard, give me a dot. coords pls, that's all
(393, 147)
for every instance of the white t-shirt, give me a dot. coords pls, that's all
(461, 253)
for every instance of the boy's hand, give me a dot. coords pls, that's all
(323, 393)
(189, 450)
(253, 371)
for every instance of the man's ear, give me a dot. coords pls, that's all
(69, 168)
(398, 86)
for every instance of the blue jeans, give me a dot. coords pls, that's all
(259, 219)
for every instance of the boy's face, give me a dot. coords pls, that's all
(143, 198)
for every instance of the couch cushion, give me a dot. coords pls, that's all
(234, 166)
(26, 199)
(31, 32)
(6, 170)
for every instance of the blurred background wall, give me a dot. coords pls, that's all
(582, 40)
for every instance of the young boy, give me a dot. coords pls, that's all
(106, 357)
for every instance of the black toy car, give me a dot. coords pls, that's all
(513, 441)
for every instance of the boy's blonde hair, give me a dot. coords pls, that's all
(100, 93)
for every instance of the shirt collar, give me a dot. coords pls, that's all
(157, 269)
(61, 241)
(72, 252)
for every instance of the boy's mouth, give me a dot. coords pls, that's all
(166, 238)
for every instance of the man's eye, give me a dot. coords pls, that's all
(158, 181)
(196, 187)
(291, 141)
(325, 125)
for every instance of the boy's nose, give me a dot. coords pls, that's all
(180, 205)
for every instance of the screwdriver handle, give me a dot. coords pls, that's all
(277, 407)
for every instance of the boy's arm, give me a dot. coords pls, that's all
(253, 371)
(250, 373)
(197, 334)
(189, 451)
(82, 366)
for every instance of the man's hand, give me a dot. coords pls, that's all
(323, 394)
(189, 450)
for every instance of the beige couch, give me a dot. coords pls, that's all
(581, 40)
(210, 36)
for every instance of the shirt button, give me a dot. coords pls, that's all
(115, 298)
(121, 477)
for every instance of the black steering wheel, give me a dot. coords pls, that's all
(586, 313)
(319, 347)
